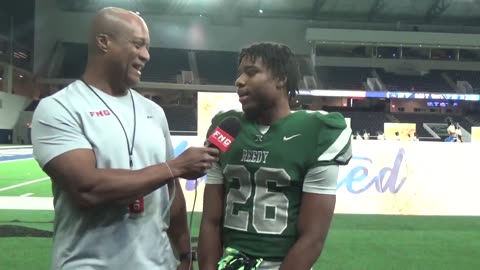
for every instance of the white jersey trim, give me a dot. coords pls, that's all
(321, 180)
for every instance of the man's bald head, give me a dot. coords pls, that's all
(118, 45)
(113, 22)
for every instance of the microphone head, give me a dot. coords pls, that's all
(224, 134)
(231, 125)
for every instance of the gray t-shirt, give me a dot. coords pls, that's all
(106, 237)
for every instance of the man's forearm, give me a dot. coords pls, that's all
(94, 187)
(302, 255)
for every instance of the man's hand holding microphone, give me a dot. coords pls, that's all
(195, 161)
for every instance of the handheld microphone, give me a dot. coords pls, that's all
(224, 134)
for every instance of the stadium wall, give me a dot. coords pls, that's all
(10, 110)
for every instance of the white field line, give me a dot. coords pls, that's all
(25, 183)
(13, 160)
(15, 147)
(26, 203)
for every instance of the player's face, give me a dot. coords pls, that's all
(130, 52)
(256, 87)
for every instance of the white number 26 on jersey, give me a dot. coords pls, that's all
(262, 199)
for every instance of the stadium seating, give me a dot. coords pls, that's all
(181, 118)
(473, 77)
(216, 67)
(343, 78)
(370, 121)
(431, 82)
(166, 65)
(74, 60)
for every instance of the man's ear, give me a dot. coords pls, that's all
(102, 42)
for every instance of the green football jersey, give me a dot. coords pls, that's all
(263, 176)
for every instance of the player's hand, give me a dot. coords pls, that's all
(194, 162)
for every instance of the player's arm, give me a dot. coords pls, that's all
(210, 246)
(178, 230)
(67, 157)
(316, 212)
(319, 188)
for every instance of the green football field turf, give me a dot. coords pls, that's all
(355, 242)
(22, 171)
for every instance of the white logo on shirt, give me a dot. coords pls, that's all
(285, 138)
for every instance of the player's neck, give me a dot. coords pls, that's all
(268, 117)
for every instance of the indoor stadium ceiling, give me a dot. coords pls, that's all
(466, 12)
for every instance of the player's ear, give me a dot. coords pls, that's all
(282, 83)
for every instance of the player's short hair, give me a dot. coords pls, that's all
(279, 59)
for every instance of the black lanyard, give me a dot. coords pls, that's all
(129, 148)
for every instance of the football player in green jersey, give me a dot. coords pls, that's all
(269, 201)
